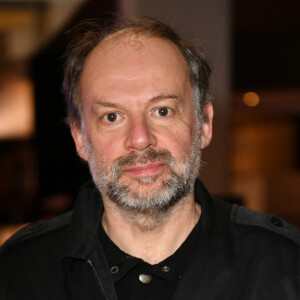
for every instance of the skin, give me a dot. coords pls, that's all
(137, 95)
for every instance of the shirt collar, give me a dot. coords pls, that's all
(171, 268)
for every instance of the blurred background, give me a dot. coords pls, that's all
(254, 50)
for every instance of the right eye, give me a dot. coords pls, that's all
(112, 117)
(163, 112)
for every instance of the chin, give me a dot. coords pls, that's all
(144, 182)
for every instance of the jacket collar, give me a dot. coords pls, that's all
(83, 235)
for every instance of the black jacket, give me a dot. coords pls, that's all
(241, 255)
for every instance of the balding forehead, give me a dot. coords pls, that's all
(136, 41)
(128, 38)
(150, 62)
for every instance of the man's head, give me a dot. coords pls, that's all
(140, 123)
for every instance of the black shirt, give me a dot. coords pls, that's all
(136, 279)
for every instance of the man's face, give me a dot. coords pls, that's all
(139, 134)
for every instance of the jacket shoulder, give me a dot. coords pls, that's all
(245, 216)
(37, 229)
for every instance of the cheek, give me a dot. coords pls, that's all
(108, 148)
(178, 142)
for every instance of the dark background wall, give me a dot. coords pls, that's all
(59, 168)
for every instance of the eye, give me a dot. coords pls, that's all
(163, 111)
(112, 117)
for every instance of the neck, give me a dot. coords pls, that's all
(148, 238)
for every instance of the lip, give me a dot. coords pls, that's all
(145, 170)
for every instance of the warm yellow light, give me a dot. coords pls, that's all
(16, 109)
(251, 99)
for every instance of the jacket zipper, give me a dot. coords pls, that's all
(98, 278)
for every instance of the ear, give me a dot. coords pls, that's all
(78, 139)
(206, 132)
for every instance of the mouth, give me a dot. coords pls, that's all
(144, 170)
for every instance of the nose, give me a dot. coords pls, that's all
(139, 135)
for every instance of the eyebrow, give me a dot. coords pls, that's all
(151, 100)
(164, 97)
(105, 103)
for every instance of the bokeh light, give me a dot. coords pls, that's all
(251, 99)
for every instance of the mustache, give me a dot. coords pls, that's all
(134, 158)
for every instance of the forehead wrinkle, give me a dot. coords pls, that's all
(151, 100)
(126, 77)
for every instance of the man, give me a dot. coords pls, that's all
(146, 228)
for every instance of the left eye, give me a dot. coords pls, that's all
(112, 117)
(163, 111)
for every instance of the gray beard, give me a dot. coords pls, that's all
(147, 209)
